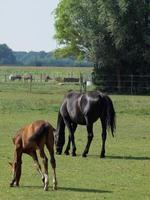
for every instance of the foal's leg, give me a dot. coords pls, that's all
(45, 163)
(74, 126)
(53, 164)
(17, 168)
(37, 165)
(104, 136)
(89, 139)
(50, 147)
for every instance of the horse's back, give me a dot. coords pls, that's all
(83, 106)
(70, 108)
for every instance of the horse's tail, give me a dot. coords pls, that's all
(110, 115)
(60, 122)
(60, 130)
(40, 132)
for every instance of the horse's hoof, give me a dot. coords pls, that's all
(84, 155)
(66, 153)
(11, 185)
(55, 187)
(102, 156)
(58, 153)
(45, 188)
(73, 154)
(14, 184)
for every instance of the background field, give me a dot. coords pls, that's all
(124, 174)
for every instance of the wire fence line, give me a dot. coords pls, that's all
(40, 82)
(129, 84)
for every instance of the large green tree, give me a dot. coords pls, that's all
(113, 34)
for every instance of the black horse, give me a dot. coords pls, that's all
(84, 109)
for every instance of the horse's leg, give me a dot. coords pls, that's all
(104, 136)
(74, 126)
(89, 139)
(68, 146)
(17, 167)
(50, 148)
(71, 132)
(45, 163)
(37, 165)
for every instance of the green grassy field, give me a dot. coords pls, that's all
(123, 174)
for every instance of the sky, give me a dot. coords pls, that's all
(28, 25)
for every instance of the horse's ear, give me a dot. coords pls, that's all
(10, 163)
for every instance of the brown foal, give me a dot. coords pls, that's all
(29, 139)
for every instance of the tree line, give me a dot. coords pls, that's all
(114, 35)
(42, 58)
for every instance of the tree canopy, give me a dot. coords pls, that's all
(6, 55)
(32, 58)
(113, 34)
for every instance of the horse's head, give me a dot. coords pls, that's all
(59, 138)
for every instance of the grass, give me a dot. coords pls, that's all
(124, 174)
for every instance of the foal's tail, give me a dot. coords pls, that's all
(110, 115)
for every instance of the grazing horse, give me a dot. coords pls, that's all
(47, 78)
(84, 109)
(27, 140)
(27, 77)
(14, 77)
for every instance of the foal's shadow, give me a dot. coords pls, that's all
(71, 189)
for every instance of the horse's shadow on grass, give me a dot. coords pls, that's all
(71, 189)
(128, 157)
(124, 157)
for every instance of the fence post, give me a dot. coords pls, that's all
(41, 78)
(81, 81)
(30, 85)
(5, 77)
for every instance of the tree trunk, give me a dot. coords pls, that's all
(118, 78)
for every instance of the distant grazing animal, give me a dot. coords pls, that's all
(27, 77)
(27, 140)
(84, 109)
(47, 78)
(14, 77)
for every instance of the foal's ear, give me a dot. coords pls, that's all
(10, 163)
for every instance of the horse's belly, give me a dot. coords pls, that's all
(79, 119)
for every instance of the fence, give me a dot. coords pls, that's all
(41, 82)
(129, 84)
